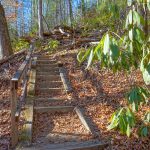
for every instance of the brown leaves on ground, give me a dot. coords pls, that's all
(58, 128)
(6, 72)
(101, 92)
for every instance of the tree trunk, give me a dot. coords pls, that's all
(146, 19)
(83, 8)
(70, 12)
(5, 45)
(40, 20)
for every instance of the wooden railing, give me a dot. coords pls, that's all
(18, 94)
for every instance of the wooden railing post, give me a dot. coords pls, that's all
(19, 79)
(14, 123)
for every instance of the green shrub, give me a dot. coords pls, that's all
(123, 119)
(19, 44)
(137, 96)
(53, 44)
(145, 128)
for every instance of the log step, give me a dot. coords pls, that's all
(47, 72)
(65, 80)
(47, 68)
(46, 61)
(54, 109)
(50, 84)
(47, 65)
(52, 90)
(49, 99)
(49, 77)
(45, 56)
(86, 145)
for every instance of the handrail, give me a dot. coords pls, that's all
(19, 82)
(7, 59)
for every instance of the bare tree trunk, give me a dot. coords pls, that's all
(83, 8)
(70, 12)
(146, 19)
(40, 20)
(5, 45)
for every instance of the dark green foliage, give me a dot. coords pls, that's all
(19, 44)
(145, 128)
(137, 96)
(124, 120)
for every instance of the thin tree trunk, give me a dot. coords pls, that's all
(146, 19)
(40, 20)
(5, 45)
(83, 7)
(70, 12)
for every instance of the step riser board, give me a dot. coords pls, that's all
(47, 65)
(50, 84)
(48, 77)
(47, 70)
(48, 62)
(54, 109)
(50, 90)
(48, 73)
(87, 145)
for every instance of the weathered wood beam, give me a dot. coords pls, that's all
(65, 80)
(54, 109)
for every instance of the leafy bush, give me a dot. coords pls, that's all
(19, 44)
(145, 129)
(137, 96)
(123, 119)
(53, 44)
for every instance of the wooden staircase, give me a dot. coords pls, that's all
(50, 80)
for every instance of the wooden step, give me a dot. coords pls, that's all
(50, 90)
(54, 109)
(86, 145)
(49, 77)
(65, 80)
(48, 73)
(45, 57)
(49, 99)
(50, 84)
(44, 61)
(47, 65)
(47, 70)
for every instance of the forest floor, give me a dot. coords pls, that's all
(99, 92)
(6, 72)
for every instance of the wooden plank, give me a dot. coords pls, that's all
(46, 61)
(22, 69)
(47, 65)
(85, 145)
(50, 90)
(49, 77)
(47, 68)
(32, 81)
(49, 99)
(14, 124)
(50, 84)
(34, 63)
(21, 99)
(66, 82)
(84, 120)
(54, 109)
(47, 72)
(26, 132)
